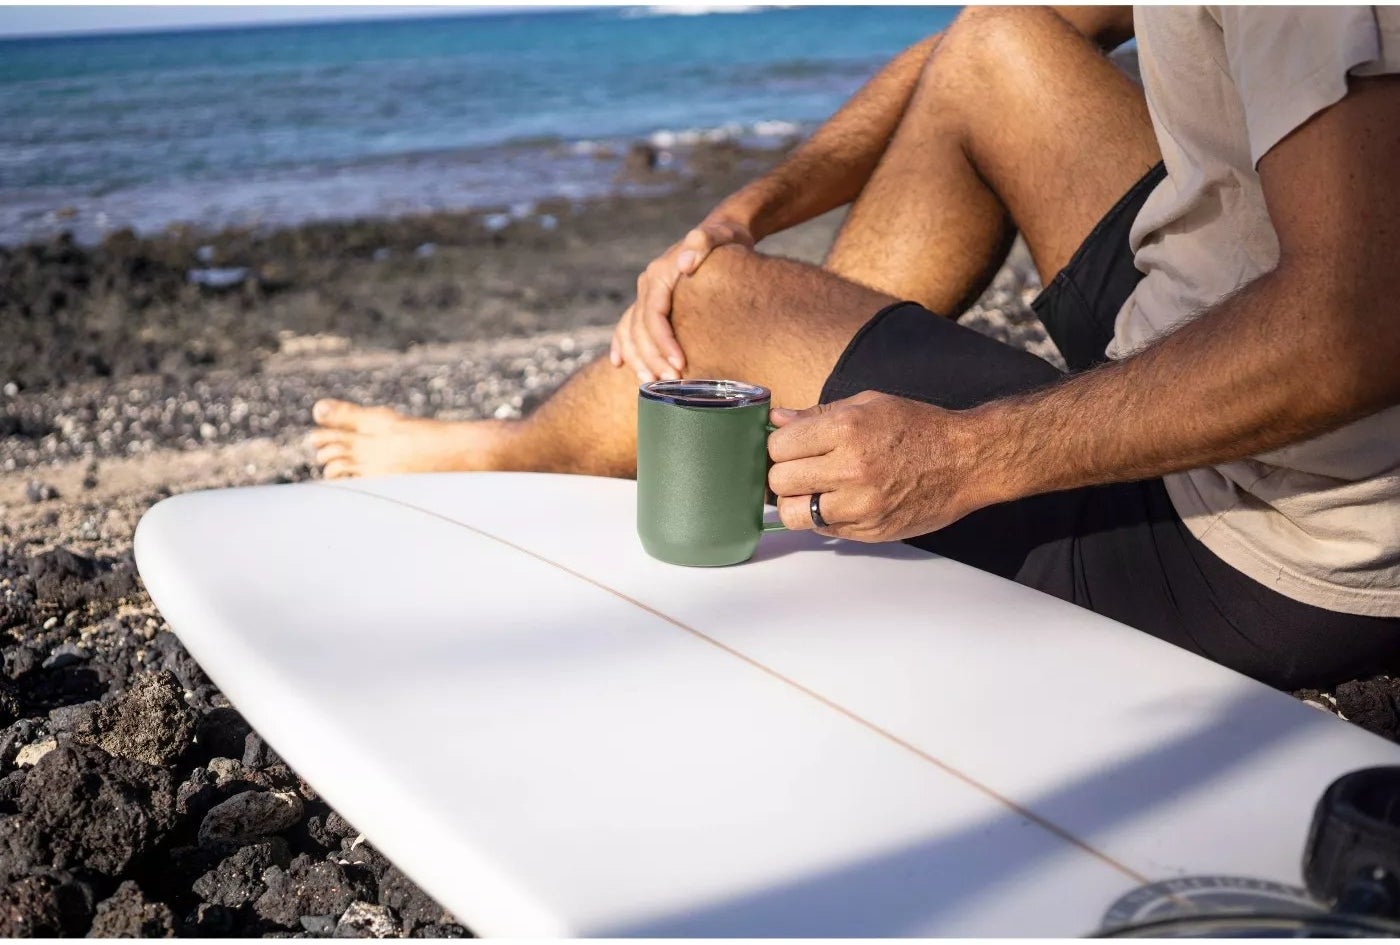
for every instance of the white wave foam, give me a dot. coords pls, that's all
(685, 137)
(692, 9)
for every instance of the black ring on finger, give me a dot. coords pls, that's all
(816, 509)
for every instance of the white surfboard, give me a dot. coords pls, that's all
(555, 734)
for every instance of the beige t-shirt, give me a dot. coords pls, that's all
(1318, 521)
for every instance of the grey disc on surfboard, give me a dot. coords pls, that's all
(556, 735)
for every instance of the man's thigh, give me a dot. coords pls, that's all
(1053, 127)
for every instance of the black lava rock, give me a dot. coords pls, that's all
(10, 705)
(307, 888)
(237, 880)
(446, 930)
(66, 654)
(127, 913)
(1374, 704)
(64, 581)
(258, 753)
(81, 808)
(149, 722)
(221, 733)
(22, 660)
(44, 904)
(249, 815)
(10, 787)
(413, 906)
(196, 795)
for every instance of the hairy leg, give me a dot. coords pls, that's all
(1019, 121)
(1017, 118)
(755, 318)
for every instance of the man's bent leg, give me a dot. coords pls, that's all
(745, 316)
(1018, 121)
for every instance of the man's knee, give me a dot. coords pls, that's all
(986, 44)
(725, 270)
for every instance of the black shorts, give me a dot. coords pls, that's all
(1119, 550)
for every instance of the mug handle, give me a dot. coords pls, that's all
(773, 526)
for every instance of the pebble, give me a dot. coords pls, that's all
(30, 754)
(36, 491)
(366, 920)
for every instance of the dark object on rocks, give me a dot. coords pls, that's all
(127, 913)
(81, 808)
(250, 815)
(238, 878)
(149, 722)
(413, 906)
(1374, 704)
(44, 904)
(258, 753)
(221, 733)
(307, 888)
(365, 920)
(36, 491)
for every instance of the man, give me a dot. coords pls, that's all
(1221, 468)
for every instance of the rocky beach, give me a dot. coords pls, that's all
(134, 799)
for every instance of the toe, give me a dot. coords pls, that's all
(332, 451)
(343, 415)
(336, 414)
(341, 467)
(324, 436)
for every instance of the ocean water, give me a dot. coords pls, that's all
(275, 125)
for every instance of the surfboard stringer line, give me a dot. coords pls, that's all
(834, 706)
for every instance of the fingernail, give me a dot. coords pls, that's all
(669, 376)
(685, 260)
(676, 363)
(318, 411)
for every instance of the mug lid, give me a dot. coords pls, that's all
(706, 393)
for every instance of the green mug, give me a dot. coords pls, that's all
(702, 470)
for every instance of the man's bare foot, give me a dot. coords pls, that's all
(374, 441)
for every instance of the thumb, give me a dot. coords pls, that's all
(782, 416)
(696, 246)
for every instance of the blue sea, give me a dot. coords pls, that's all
(277, 125)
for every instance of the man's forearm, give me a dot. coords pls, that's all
(1287, 358)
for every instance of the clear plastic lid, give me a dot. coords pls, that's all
(706, 393)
